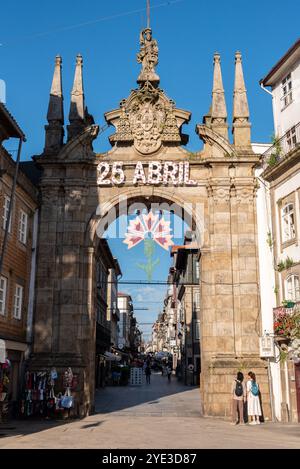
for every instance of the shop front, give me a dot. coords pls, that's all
(102, 364)
(12, 359)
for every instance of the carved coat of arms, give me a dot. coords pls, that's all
(147, 122)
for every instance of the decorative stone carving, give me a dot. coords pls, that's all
(49, 195)
(220, 194)
(147, 118)
(75, 198)
(148, 57)
(212, 138)
(245, 194)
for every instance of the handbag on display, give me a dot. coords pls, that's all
(68, 378)
(51, 399)
(54, 374)
(67, 401)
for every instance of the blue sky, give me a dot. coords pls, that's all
(188, 34)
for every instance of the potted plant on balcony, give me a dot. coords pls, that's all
(288, 304)
(276, 151)
(287, 332)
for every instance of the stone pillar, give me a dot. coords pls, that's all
(64, 313)
(230, 290)
(89, 334)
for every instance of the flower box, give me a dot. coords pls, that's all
(282, 340)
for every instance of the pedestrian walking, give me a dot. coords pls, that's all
(169, 372)
(253, 402)
(148, 374)
(239, 395)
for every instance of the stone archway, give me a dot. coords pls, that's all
(148, 161)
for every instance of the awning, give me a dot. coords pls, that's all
(112, 357)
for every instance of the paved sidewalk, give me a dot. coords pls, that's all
(160, 415)
(160, 398)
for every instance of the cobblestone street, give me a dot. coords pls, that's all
(160, 415)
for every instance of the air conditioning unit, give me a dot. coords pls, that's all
(267, 346)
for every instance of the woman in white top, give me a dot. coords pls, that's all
(253, 402)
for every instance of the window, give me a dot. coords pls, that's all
(288, 223)
(23, 227)
(197, 270)
(3, 289)
(286, 87)
(291, 138)
(5, 213)
(18, 299)
(293, 288)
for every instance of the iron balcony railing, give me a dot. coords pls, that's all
(293, 306)
(282, 147)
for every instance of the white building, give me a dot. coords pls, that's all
(284, 80)
(279, 221)
(125, 308)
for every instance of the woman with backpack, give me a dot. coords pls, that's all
(238, 399)
(253, 403)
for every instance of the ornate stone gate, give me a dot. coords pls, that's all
(148, 163)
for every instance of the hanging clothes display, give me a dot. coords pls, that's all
(39, 398)
(5, 370)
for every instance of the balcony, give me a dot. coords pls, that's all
(282, 147)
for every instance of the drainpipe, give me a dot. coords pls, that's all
(271, 391)
(29, 333)
(287, 391)
(265, 89)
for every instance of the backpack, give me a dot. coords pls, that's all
(254, 388)
(239, 391)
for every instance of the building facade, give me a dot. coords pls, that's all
(186, 278)
(125, 307)
(103, 266)
(18, 240)
(113, 313)
(281, 175)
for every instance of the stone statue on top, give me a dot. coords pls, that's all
(148, 57)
